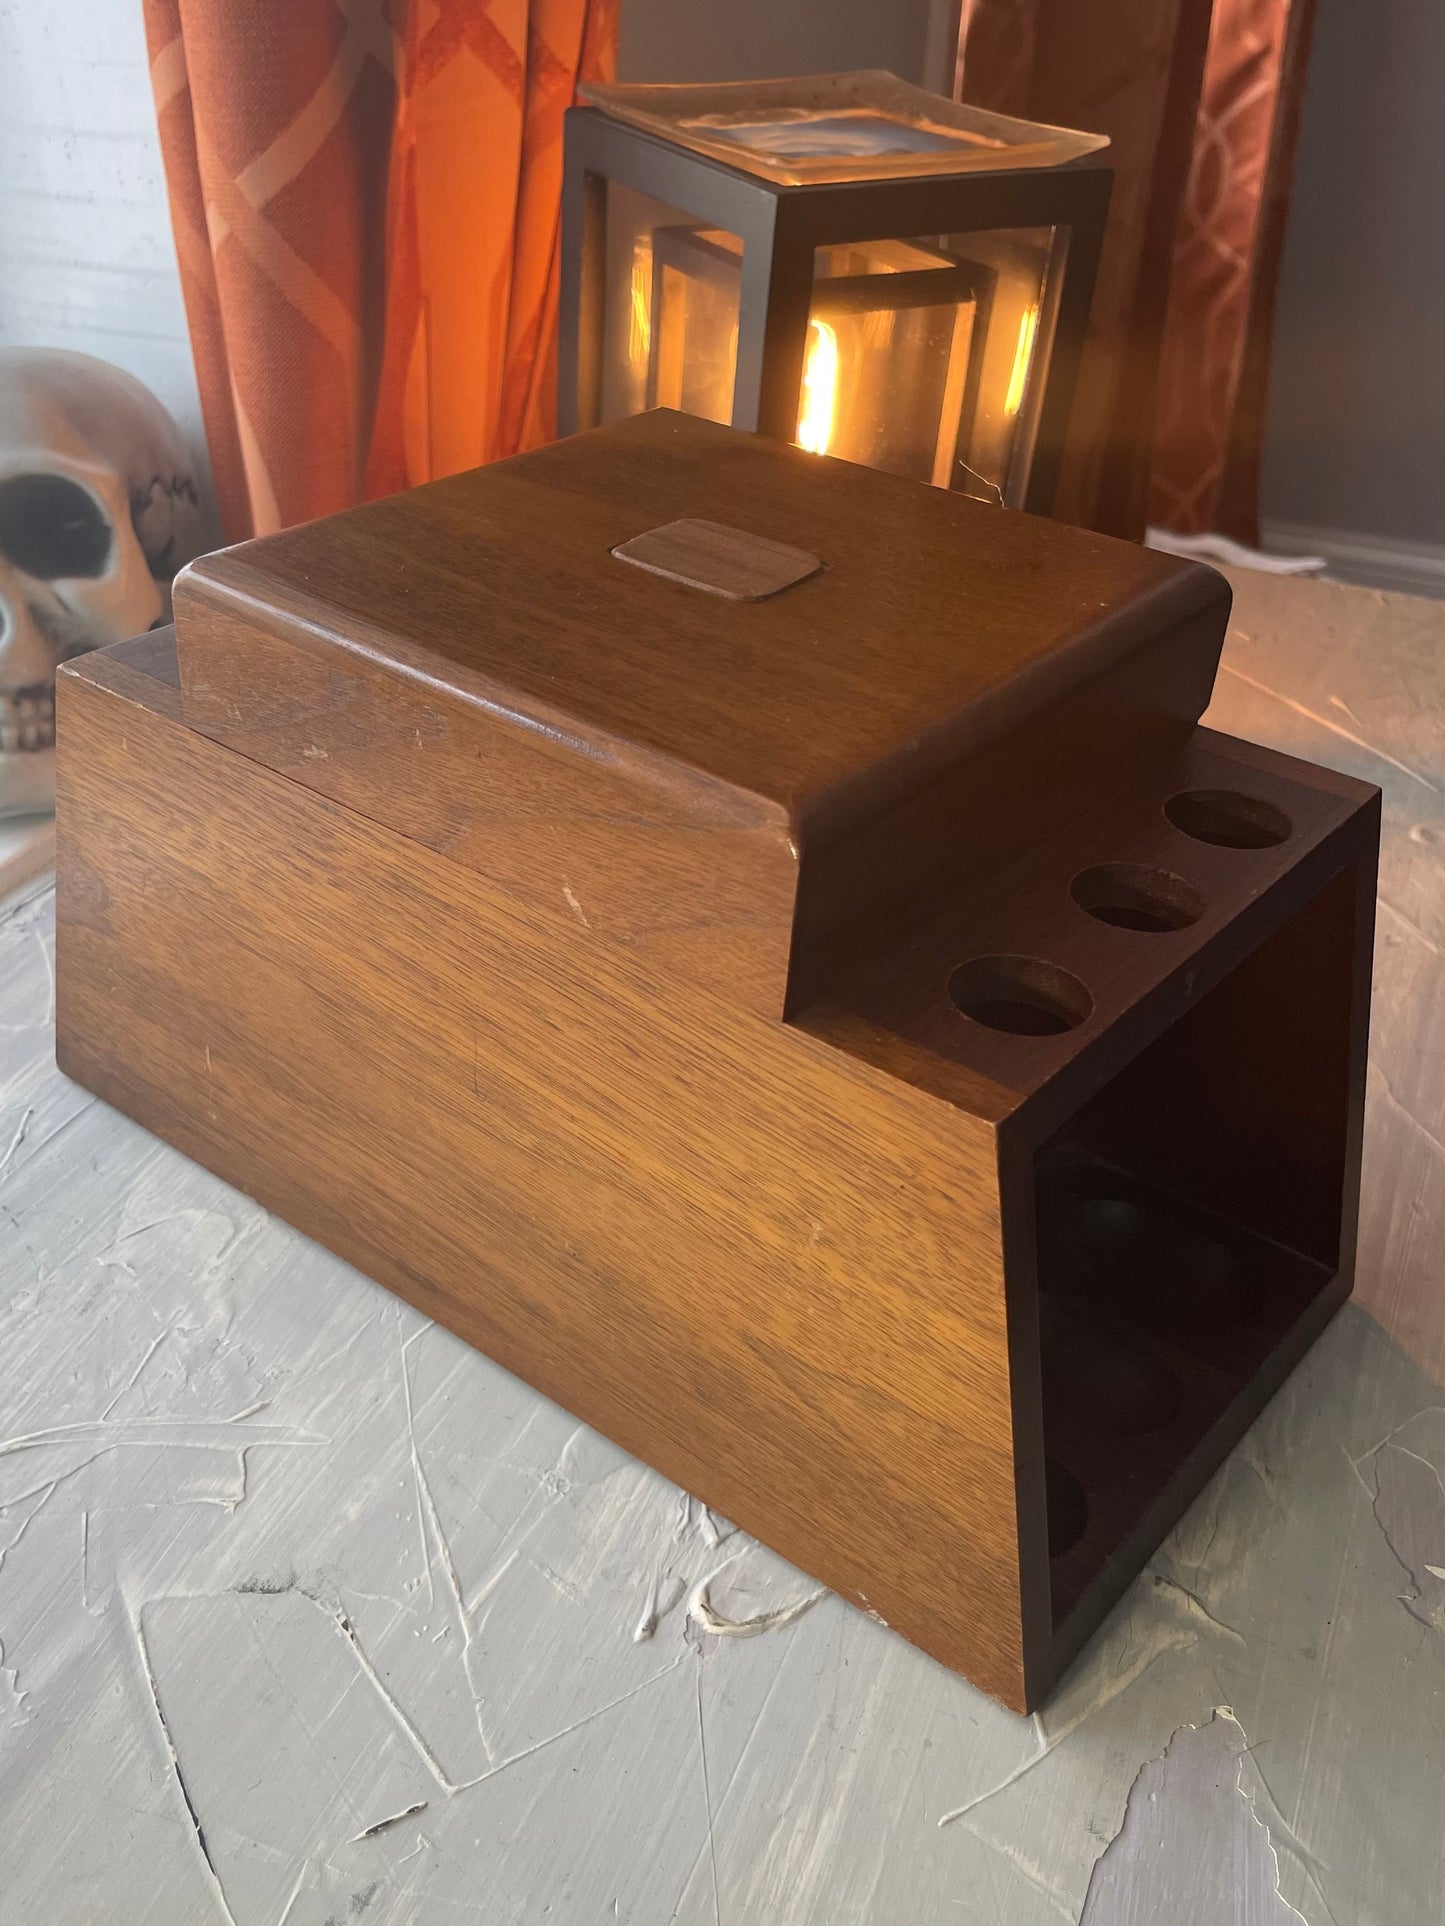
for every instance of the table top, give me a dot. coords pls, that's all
(311, 1615)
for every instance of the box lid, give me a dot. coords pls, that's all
(933, 626)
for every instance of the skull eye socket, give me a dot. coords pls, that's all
(52, 528)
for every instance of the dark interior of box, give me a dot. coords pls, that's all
(1186, 1217)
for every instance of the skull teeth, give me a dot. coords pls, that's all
(27, 719)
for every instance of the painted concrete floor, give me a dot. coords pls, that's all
(312, 1616)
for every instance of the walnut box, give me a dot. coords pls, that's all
(765, 951)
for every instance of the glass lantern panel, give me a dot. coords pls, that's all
(670, 322)
(927, 357)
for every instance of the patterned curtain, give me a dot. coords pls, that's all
(1200, 100)
(365, 200)
(1214, 366)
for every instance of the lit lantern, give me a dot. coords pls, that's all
(848, 262)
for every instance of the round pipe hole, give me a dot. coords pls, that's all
(1020, 994)
(1132, 896)
(1228, 819)
(1068, 1508)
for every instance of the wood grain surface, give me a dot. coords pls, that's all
(935, 627)
(740, 1253)
(655, 1135)
(220, 1437)
(797, 1012)
(472, 664)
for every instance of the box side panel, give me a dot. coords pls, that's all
(1191, 1229)
(688, 873)
(760, 1266)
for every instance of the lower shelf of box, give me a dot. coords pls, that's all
(1156, 1316)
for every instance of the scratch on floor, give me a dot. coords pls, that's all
(1192, 1846)
(714, 1530)
(155, 1344)
(1410, 1510)
(1029, 1871)
(1382, 1083)
(707, 1803)
(575, 907)
(45, 1494)
(159, 1433)
(1411, 925)
(63, 1128)
(1194, 1605)
(385, 1825)
(1370, 1451)
(213, 1876)
(416, 1472)
(566, 1731)
(1324, 722)
(662, 1594)
(1100, 1682)
(15, 1142)
(13, 1701)
(700, 1610)
(414, 1738)
(434, 1533)
(338, 1617)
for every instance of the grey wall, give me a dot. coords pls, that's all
(1356, 426)
(750, 39)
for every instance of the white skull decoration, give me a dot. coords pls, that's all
(98, 509)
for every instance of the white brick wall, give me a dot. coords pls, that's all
(86, 255)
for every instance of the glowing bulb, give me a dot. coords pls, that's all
(1023, 356)
(820, 389)
(639, 328)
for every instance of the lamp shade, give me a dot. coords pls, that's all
(845, 262)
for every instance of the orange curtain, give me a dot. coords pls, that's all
(1214, 367)
(1200, 99)
(365, 200)
(1130, 69)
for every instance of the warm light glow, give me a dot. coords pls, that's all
(820, 389)
(639, 327)
(1023, 356)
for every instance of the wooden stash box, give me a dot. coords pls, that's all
(802, 991)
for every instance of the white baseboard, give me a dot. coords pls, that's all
(1414, 568)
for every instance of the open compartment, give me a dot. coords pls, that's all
(1187, 1217)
